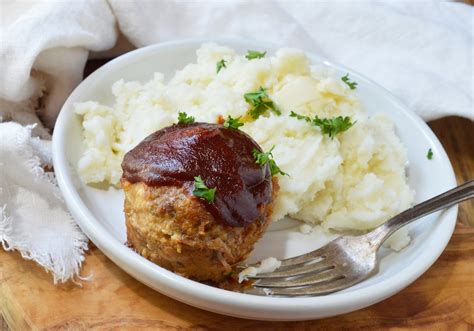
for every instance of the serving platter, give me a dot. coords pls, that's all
(98, 210)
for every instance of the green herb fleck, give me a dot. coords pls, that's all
(202, 191)
(352, 85)
(251, 55)
(262, 158)
(429, 155)
(329, 126)
(300, 117)
(233, 123)
(183, 118)
(260, 102)
(256, 97)
(220, 64)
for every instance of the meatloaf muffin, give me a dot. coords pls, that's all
(168, 222)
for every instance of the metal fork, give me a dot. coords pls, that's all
(346, 260)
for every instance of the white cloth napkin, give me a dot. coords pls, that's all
(422, 51)
(33, 218)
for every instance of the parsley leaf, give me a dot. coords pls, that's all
(429, 155)
(202, 191)
(220, 64)
(333, 126)
(251, 55)
(262, 158)
(352, 85)
(183, 118)
(260, 102)
(329, 126)
(274, 169)
(262, 107)
(300, 117)
(233, 123)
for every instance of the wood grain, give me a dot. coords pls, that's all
(457, 136)
(441, 299)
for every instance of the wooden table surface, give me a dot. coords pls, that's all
(443, 297)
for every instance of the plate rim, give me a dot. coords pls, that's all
(197, 294)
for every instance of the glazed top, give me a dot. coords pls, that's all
(221, 156)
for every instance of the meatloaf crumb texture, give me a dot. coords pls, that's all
(172, 228)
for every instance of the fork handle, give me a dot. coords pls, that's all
(442, 201)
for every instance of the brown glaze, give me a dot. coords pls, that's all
(223, 158)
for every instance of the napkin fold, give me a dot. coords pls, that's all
(421, 51)
(33, 217)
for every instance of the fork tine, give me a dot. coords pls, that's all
(297, 260)
(296, 270)
(318, 289)
(304, 257)
(312, 279)
(291, 262)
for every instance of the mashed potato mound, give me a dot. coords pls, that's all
(354, 181)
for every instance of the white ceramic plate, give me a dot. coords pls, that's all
(99, 211)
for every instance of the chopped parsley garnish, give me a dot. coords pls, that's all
(352, 85)
(300, 117)
(329, 126)
(260, 102)
(429, 155)
(220, 64)
(202, 191)
(233, 123)
(262, 158)
(251, 55)
(255, 97)
(183, 118)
